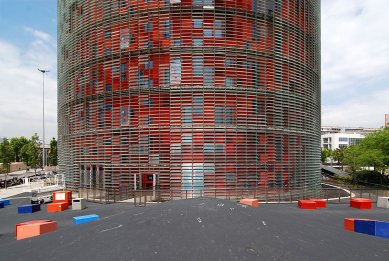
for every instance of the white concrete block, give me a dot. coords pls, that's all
(383, 202)
(78, 203)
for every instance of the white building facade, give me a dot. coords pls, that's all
(335, 141)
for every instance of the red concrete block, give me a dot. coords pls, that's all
(307, 204)
(349, 224)
(34, 228)
(250, 202)
(62, 197)
(320, 203)
(361, 203)
(57, 207)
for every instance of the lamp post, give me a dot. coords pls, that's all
(43, 143)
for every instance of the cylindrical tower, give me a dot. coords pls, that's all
(201, 96)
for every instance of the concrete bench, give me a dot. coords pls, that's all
(78, 204)
(29, 208)
(320, 203)
(348, 224)
(84, 219)
(361, 203)
(383, 202)
(250, 202)
(62, 197)
(34, 228)
(5, 201)
(367, 226)
(57, 207)
(382, 229)
(307, 204)
(364, 226)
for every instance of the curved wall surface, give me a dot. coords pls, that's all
(193, 95)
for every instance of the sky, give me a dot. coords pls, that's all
(355, 65)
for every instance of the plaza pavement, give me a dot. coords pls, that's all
(195, 229)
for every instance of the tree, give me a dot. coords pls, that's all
(376, 147)
(373, 151)
(30, 152)
(352, 157)
(6, 157)
(23, 153)
(16, 145)
(338, 155)
(52, 157)
(325, 154)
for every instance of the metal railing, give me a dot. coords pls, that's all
(141, 197)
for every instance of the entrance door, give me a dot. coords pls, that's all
(148, 181)
(192, 180)
(144, 181)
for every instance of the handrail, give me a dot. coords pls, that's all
(140, 197)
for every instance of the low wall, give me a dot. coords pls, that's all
(16, 166)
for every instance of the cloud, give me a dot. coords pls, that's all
(355, 62)
(354, 45)
(21, 87)
(9, 54)
(361, 109)
(40, 35)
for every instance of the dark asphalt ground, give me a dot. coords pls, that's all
(195, 229)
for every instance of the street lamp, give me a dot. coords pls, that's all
(43, 150)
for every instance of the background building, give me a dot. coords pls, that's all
(386, 120)
(190, 95)
(348, 130)
(335, 141)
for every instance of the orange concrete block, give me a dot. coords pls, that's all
(361, 203)
(307, 204)
(62, 197)
(34, 228)
(57, 207)
(250, 202)
(320, 203)
(349, 224)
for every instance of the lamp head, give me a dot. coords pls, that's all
(43, 71)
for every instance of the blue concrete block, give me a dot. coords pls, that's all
(1, 204)
(29, 208)
(84, 219)
(382, 229)
(365, 226)
(36, 207)
(6, 202)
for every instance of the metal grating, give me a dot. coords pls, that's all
(197, 94)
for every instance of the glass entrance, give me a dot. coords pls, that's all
(192, 179)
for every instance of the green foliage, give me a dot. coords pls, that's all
(52, 157)
(347, 180)
(378, 140)
(371, 177)
(26, 150)
(30, 152)
(351, 157)
(23, 153)
(338, 154)
(16, 145)
(325, 154)
(373, 151)
(6, 155)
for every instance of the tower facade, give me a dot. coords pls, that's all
(201, 96)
